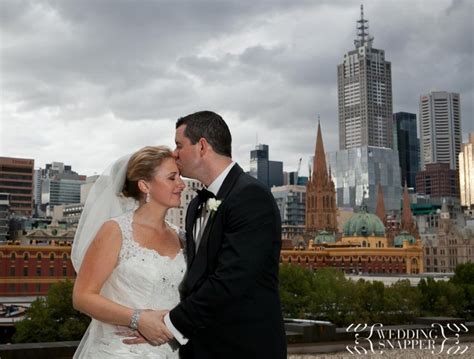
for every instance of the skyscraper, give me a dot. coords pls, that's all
(440, 128)
(364, 94)
(266, 171)
(466, 172)
(405, 140)
(16, 179)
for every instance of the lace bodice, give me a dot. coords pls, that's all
(142, 279)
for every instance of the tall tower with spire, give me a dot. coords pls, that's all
(364, 94)
(321, 210)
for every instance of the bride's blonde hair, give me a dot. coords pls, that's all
(142, 166)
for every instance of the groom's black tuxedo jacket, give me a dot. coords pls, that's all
(230, 304)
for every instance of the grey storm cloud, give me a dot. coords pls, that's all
(72, 68)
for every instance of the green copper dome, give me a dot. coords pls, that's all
(398, 240)
(364, 224)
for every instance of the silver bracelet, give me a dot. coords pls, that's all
(135, 318)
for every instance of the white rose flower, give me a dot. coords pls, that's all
(213, 204)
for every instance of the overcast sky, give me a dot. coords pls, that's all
(84, 82)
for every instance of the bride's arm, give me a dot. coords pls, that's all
(98, 264)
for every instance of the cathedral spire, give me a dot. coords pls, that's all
(319, 164)
(380, 209)
(320, 193)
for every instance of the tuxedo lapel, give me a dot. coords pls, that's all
(198, 267)
(190, 240)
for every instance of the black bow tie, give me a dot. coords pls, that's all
(204, 195)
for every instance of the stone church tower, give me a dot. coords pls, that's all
(321, 210)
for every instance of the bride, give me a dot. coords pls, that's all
(128, 258)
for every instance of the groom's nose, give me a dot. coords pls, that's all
(175, 153)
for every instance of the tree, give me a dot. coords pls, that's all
(464, 278)
(401, 303)
(53, 318)
(332, 296)
(295, 290)
(441, 298)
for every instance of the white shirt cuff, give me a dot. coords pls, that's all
(177, 335)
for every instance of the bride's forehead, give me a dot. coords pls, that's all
(166, 167)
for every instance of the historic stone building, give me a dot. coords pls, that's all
(321, 210)
(30, 266)
(363, 248)
(449, 246)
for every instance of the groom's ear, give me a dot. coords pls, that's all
(204, 146)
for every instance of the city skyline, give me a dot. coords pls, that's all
(80, 87)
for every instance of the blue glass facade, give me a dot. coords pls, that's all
(266, 171)
(408, 145)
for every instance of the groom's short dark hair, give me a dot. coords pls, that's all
(212, 127)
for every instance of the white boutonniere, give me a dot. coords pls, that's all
(213, 204)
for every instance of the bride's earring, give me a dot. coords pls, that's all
(147, 198)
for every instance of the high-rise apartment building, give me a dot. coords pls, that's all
(291, 201)
(16, 179)
(4, 216)
(266, 171)
(440, 128)
(438, 180)
(364, 94)
(405, 140)
(466, 172)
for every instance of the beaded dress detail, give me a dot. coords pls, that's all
(142, 279)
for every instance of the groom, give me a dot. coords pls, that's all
(230, 305)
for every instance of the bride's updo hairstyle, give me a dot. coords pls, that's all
(142, 166)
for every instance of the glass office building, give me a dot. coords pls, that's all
(61, 191)
(268, 172)
(356, 173)
(406, 141)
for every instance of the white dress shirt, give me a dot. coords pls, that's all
(199, 226)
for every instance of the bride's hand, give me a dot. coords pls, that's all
(133, 336)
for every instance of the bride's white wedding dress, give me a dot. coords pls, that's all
(142, 279)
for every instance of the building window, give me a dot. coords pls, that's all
(13, 255)
(25, 271)
(38, 287)
(12, 271)
(51, 271)
(26, 256)
(25, 287)
(38, 271)
(64, 272)
(51, 257)
(39, 256)
(11, 287)
(65, 256)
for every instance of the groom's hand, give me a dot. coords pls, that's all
(152, 327)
